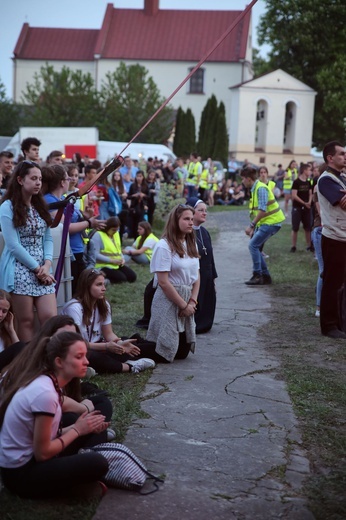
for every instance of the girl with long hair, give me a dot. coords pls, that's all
(117, 200)
(8, 335)
(138, 195)
(56, 183)
(153, 189)
(28, 253)
(91, 311)
(141, 250)
(175, 263)
(39, 458)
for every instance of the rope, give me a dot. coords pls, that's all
(199, 64)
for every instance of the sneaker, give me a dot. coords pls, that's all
(267, 279)
(110, 435)
(293, 249)
(310, 249)
(91, 372)
(256, 279)
(264, 255)
(317, 313)
(141, 364)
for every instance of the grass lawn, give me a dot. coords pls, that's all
(314, 368)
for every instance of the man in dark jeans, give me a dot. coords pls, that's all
(331, 188)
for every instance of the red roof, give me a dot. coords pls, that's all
(133, 34)
(36, 43)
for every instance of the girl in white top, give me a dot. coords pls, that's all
(92, 313)
(33, 447)
(175, 263)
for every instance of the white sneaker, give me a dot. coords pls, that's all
(141, 364)
(317, 313)
(110, 435)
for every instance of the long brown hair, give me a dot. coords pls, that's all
(118, 185)
(3, 332)
(85, 281)
(147, 230)
(14, 194)
(173, 236)
(33, 363)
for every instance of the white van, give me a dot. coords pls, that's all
(106, 150)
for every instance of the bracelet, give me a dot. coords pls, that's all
(252, 224)
(186, 306)
(89, 222)
(75, 429)
(62, 443)
(192, 300)
(86, 407)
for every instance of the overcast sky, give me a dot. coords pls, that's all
(86, 14)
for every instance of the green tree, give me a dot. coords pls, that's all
(129, 97)
(9, 114)
(190, 144)
(307, 37)
(180, 132)
(259, 64)
(220, 151)
(207, 128)
(65, 98)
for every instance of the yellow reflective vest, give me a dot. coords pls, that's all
(274, 215)
(148, 252)
(111, 248)
(290, 176)
(203, 181)
(193, 169)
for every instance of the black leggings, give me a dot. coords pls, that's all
(54, 477)
(109, 363)
(123, 274)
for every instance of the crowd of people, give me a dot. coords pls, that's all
(46, 415)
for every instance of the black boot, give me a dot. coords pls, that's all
(267, 279)
(257, 279)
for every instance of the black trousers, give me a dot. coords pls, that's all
(334, 260)
(54, 477)
(123, 274)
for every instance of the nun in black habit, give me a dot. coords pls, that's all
(204, 316)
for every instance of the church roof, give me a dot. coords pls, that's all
(141, 34)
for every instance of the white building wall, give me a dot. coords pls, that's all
(218, 78)
(24, 71)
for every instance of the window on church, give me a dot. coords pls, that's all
(197, 82)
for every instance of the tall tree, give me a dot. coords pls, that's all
(207, 128)
(65, 98)
(129, 97)
(190, 144)
(180, 132)
(9, 114)
(220, 151)
(307, 37)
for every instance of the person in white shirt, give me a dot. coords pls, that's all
(39, 458)
(175, 263)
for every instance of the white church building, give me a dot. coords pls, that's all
(269, 119)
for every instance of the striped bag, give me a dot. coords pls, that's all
(125, 470)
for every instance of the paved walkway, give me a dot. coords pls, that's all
(220, 424)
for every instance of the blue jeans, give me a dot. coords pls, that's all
(316, 236)
(261, 235)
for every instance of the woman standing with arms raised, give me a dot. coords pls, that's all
(175, 263)
(28, 253)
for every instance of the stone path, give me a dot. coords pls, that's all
(220, 424)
